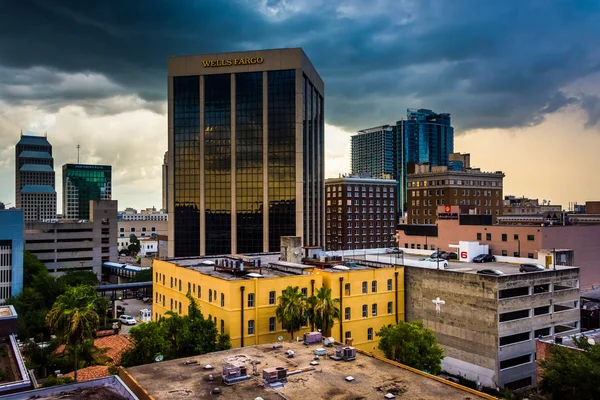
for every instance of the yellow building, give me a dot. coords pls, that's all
(243, 304)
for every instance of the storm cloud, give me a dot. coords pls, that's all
(502, 64)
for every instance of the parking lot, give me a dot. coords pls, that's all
(132, 307)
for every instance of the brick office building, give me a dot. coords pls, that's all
(360, 213)
(430, 187)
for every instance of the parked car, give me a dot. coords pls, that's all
(531, 268)
(438, 254)
(490, 272)
(127, 320)
(393, 250)
(451, 256)
(483, 258)
(443, 264)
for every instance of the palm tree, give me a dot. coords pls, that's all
(327, 310)
(73, 317)
(311, 316)
(291, 310)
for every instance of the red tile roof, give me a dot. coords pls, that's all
(89, 373)
(114, 345)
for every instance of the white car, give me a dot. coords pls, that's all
(127, 320)
(443, 264)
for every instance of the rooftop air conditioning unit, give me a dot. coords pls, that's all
(273, 375)
(312, 337)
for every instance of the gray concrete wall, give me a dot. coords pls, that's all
(466, 326)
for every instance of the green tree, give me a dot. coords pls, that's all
(74, 318)
(291, 310)
(411, 344)
(143, 276)
(175, 336)
(572, 373)
(134, 245)
(310, 312)
(76, 278)
(149, 341)
(326, 310)
(31, 267)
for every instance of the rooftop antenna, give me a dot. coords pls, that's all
(78, 147)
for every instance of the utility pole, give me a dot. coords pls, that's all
(78, 147)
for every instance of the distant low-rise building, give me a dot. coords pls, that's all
(146, 223)
(64, 245)
(573, 244)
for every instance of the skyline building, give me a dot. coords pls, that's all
(428, 138)
(82, 183)
(11, 253)
(35, 192)
(246, 152)
(424, 137)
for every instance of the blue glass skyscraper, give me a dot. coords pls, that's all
(388, 151)
(11, 253)
(426, 137)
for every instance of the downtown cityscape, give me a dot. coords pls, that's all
(187, 212)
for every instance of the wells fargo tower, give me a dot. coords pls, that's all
(246, 146)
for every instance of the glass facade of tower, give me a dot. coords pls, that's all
(281, 156)
(313, 126)
(186, 143)
(217, 163)
(246, 153)
(249, 161)
(82, 183)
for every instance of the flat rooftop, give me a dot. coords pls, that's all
(568, 340)
(107, 388)
(203, 265)
(413, 260)
(7, 312)
(172, 380)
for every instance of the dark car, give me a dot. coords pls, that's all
(483, 258)
(439, 254)
(490, 272)
(531, 268)
(451, 256)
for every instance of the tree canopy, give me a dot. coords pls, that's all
(291, 310)
(326, 310)
(570, 373)
(134, 244)
(175, 336)
(411, 344)
(76, 278)
(74, 317)
(143, 276)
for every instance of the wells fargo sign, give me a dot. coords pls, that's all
(233, 61)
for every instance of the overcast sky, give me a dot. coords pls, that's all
(521, 79)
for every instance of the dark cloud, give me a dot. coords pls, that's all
(500, 64)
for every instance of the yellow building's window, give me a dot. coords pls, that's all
(374, 286)
(389, 285)
(347, 289)
(347, 314)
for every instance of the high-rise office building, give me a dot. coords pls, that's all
(34, 178)
(428, 138)
(82, 183)
(246, 152)
(373, 152)
(11, 253)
